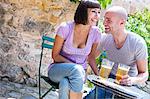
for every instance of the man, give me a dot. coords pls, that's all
(124, 47)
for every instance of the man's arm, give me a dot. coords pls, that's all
(142, 66)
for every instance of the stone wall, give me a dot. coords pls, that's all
(22, 23)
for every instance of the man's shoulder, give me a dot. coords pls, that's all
(135, 37)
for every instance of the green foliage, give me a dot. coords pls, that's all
(101, 26)
(140, 23)
(89, 84)
(99, 59)
(103, 3)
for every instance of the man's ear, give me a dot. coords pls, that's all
(122, 22)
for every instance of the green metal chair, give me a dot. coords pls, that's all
(45, 45)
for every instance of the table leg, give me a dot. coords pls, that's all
(113, 96)
(104, 93)
(95, 97)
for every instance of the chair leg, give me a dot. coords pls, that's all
(39, 88)
(46, 93)
(40, 73)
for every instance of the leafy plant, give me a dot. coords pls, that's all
(140, 23)
(89, 84)
(103, 3)
(99, 59)
(101, 26)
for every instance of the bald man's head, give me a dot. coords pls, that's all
(118, 10)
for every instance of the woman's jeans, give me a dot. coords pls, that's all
(70, 76)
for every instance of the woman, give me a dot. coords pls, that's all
(75, 43)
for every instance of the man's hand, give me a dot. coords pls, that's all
(127, 80)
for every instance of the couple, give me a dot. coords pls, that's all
(76, 44)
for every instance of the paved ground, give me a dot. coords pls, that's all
(9, 90)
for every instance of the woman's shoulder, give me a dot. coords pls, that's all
(66, 24)
(95, 29)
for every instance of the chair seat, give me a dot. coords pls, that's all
(53, 84)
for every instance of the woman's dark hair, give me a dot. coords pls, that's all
(81, 14)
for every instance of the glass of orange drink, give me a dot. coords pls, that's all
(106, 67)
(121, 71)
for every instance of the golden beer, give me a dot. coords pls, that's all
(121, 71)
(105, 71)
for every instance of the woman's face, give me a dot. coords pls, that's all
(93, 15)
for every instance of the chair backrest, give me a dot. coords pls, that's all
(45, 42)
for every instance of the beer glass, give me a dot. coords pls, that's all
(106, 67)
(121, 71)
